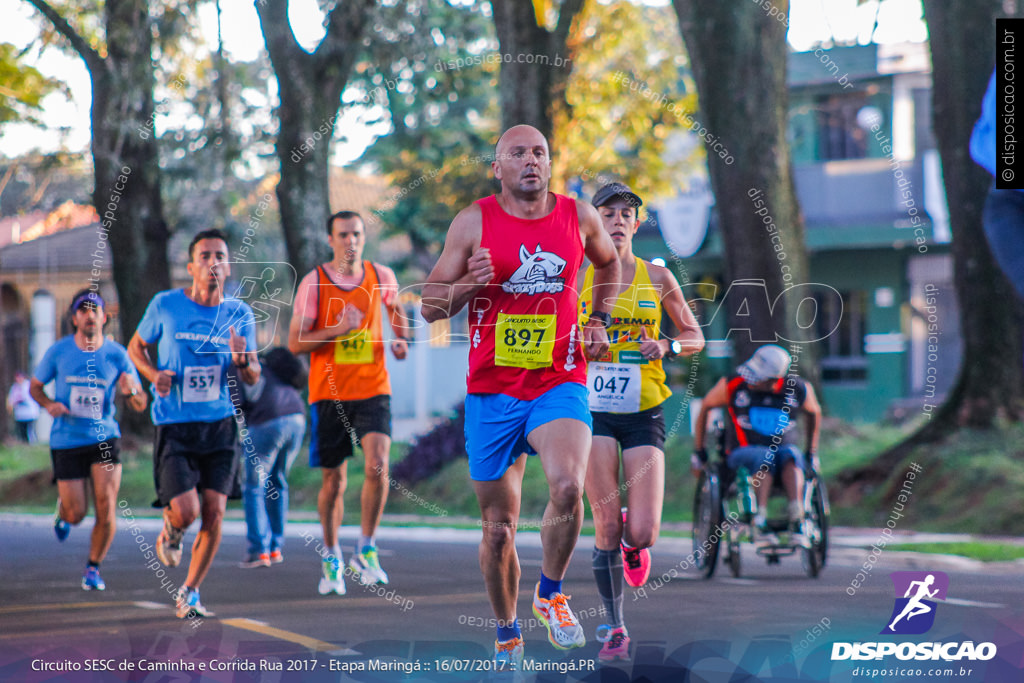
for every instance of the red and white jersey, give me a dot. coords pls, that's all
(524, 334)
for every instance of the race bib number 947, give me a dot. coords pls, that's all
(354, 348)
(524, 341)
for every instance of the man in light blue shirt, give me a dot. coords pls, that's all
(195, 334)
(87, 371)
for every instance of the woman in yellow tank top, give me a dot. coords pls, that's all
(627, 388)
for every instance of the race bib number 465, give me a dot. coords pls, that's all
(524, 341)
(614, 387)
(86, 402)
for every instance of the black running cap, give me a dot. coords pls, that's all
(614, 190)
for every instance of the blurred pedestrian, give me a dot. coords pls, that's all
(24, 409)
(275, 416)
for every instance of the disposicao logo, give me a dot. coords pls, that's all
(916, 593)
(913, 613)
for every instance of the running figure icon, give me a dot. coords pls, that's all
(915, 606)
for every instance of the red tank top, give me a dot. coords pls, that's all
(524, 334)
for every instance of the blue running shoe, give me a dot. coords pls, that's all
(187, 603)
(92, 581)
(60, 528)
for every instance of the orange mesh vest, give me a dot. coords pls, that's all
(349, 368)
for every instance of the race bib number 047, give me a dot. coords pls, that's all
(614, 387)
(524, 341)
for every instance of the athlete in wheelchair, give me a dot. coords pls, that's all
(756, 454)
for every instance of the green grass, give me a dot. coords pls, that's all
(25, 471)
(972, 483)
(978, 550)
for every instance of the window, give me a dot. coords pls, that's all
(843, 358)
(839, 134)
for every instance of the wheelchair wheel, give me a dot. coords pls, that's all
(816, 526)
(733, 558)
(707, 520)
(819, 509)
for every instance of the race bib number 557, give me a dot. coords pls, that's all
(201, 384)
(524, 341)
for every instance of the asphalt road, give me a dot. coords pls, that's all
(431, 622)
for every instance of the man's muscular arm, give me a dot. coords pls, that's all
(462, 270)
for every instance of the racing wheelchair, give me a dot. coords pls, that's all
(723, 515)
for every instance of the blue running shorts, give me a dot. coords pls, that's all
(497, 425)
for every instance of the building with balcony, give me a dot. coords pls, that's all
(869, 181)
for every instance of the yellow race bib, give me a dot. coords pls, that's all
(524, 341)
(354, 348)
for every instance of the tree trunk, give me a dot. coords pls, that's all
(536, 63)
(738, 55)
(124, 144)
(310, 88)
(989, 385)
(126, 190)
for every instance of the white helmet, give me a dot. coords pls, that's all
(768, 362)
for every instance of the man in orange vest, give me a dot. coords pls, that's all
(338, 320)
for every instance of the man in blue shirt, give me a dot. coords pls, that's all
(87, 371)
(195, 334)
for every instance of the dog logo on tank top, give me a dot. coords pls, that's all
(539, 272)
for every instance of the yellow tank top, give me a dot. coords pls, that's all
(623, 381)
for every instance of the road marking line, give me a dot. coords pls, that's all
(972, 603)
(61, 606)
(739, 582)
(145, 604)
(305, 641)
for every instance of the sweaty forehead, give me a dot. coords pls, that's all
(210, 245)
(345, 225)
(525, 137)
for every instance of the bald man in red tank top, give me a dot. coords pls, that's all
(512, 259)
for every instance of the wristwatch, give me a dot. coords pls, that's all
(675, 348)
(605, 318)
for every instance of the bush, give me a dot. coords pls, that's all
(443, 444)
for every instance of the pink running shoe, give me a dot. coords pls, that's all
(616, 643)
(636, 562)
(636, 565)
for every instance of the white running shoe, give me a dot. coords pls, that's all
(564, 631)
(333, 580)
(367, 566)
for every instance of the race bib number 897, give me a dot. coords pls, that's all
(524, 341)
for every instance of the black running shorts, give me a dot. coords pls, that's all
(646, 428)
(76, 463)
(194, 455)
(338, 426)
